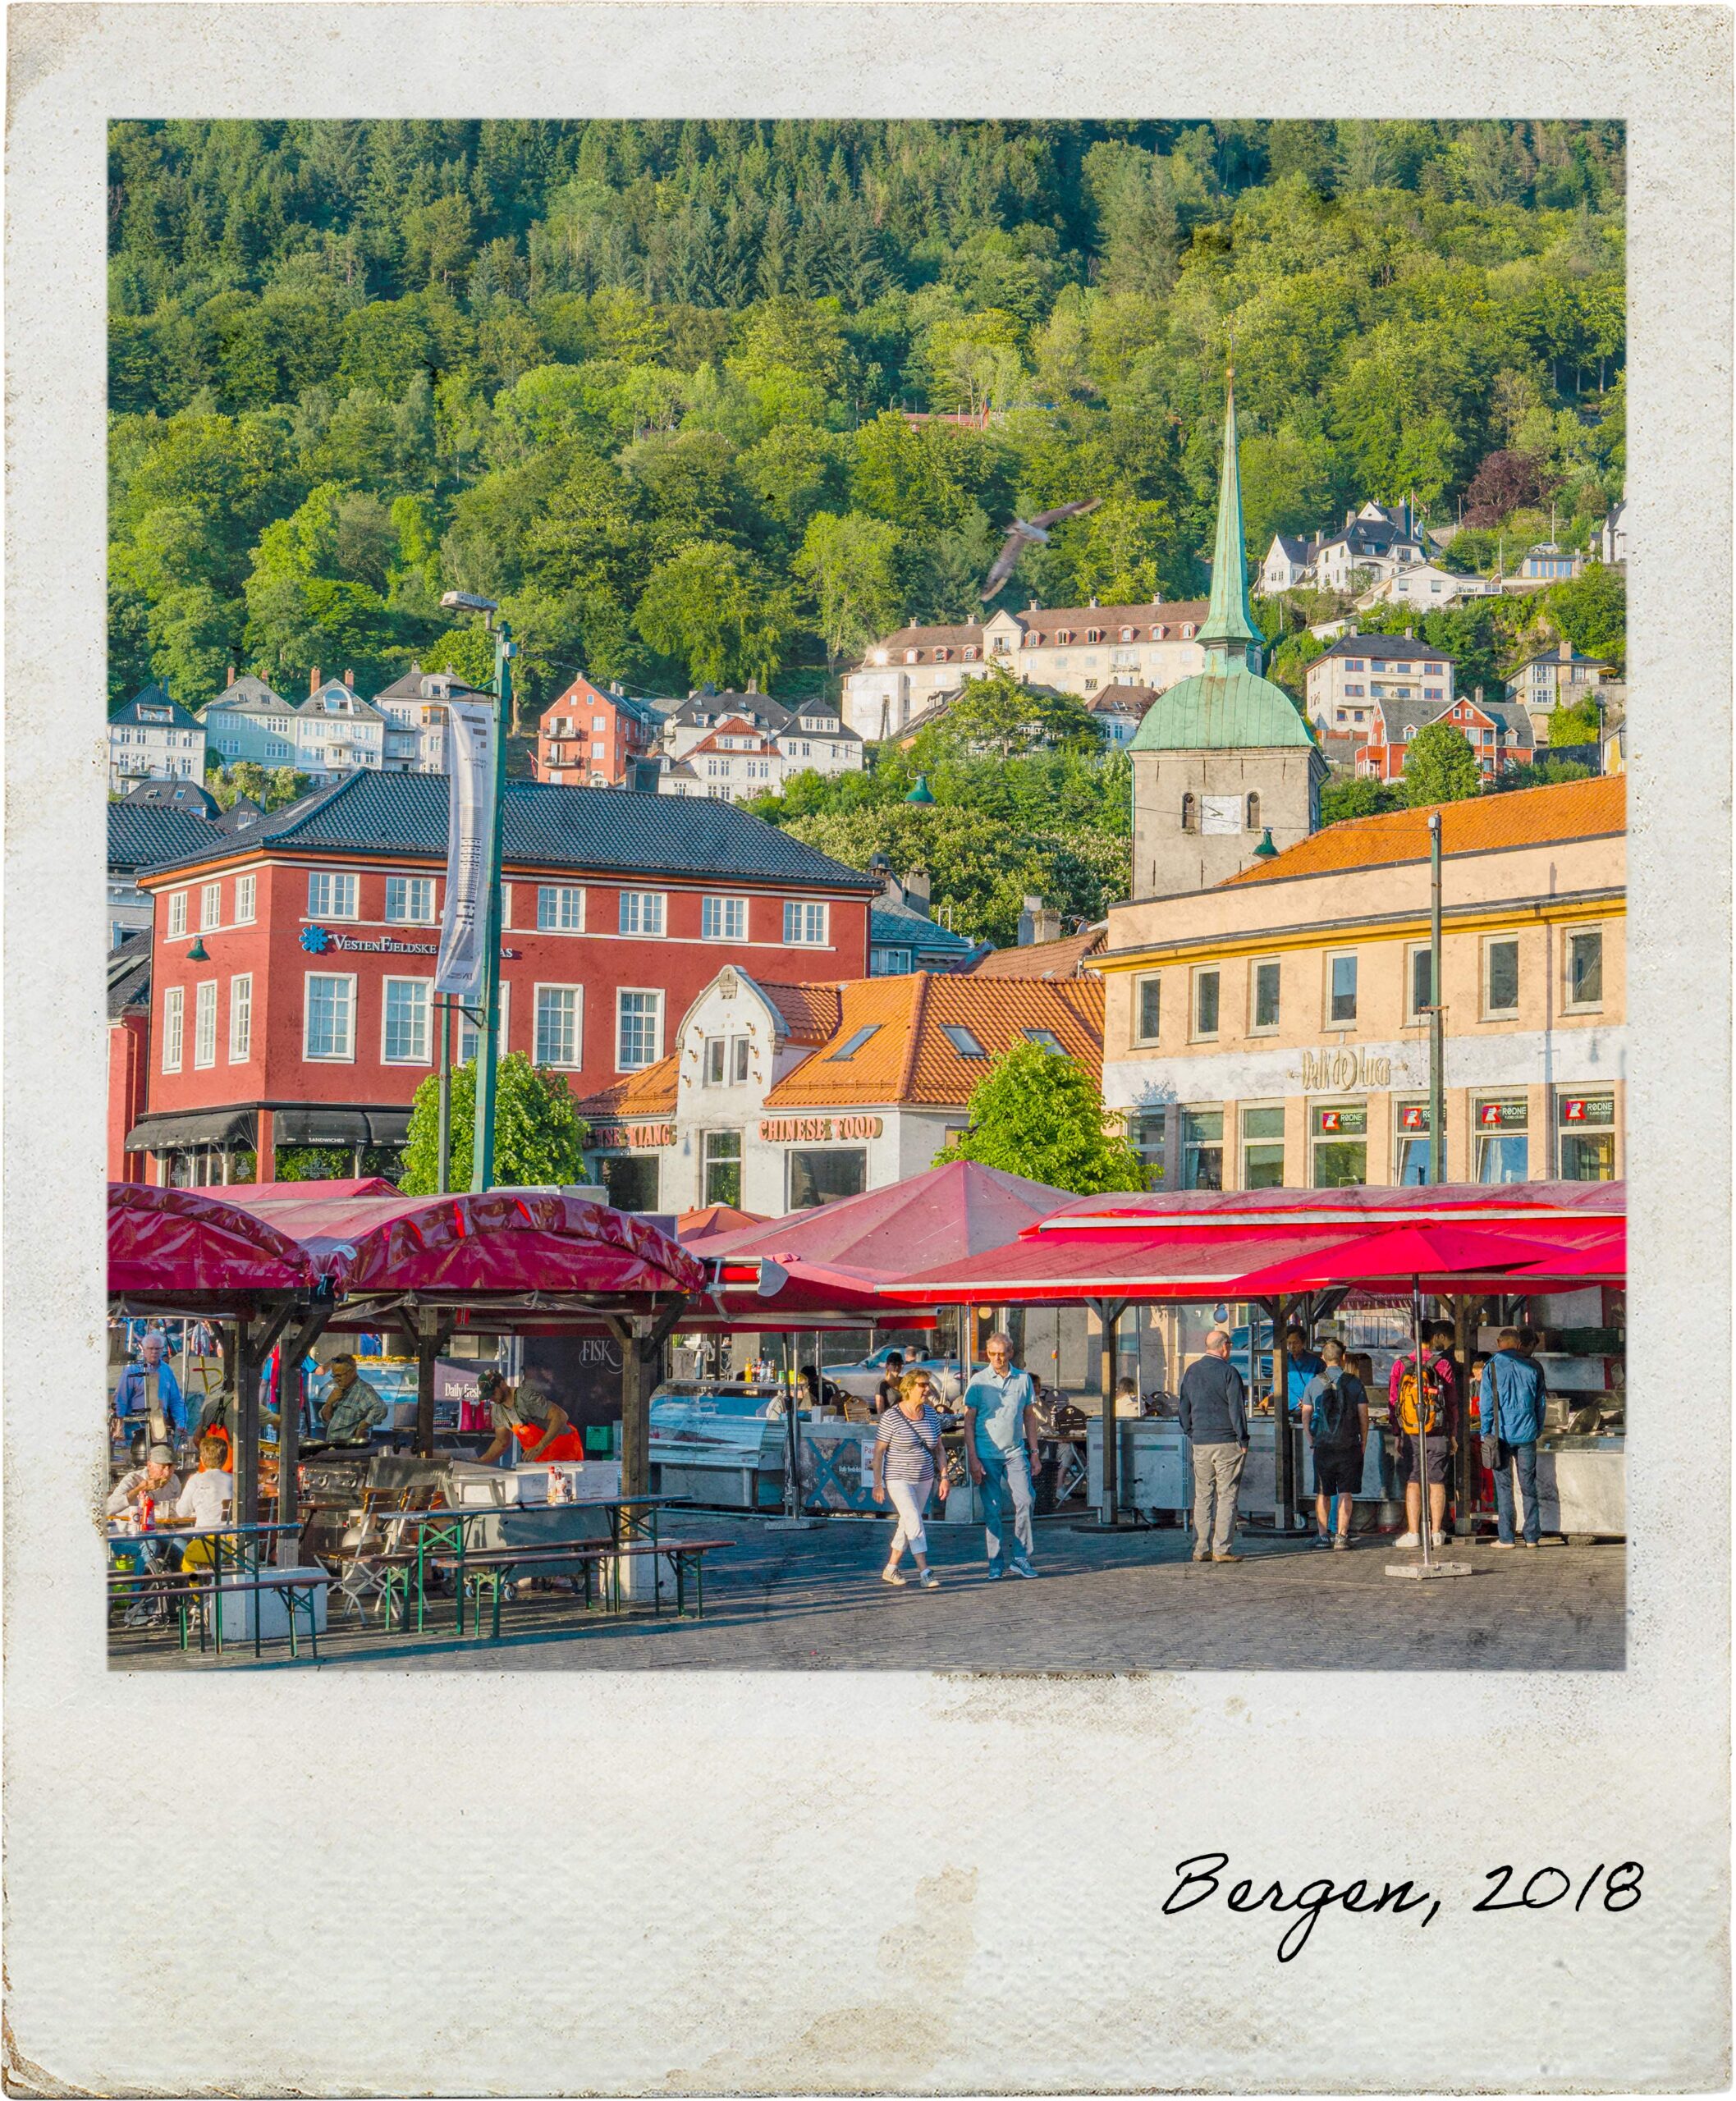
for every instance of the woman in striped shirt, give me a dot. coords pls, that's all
(908, 1460)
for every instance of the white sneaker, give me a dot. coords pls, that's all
(1409, 1539)
(929, 1580)
(1437, 1539)
(891, 1575)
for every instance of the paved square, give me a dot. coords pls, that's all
(812, 1600)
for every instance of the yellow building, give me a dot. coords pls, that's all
(1271, 1030)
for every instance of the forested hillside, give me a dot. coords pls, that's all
(643, 382)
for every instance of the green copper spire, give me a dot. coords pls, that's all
(1229, 626)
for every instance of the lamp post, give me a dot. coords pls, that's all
(1436, 1077)
(482, 1157)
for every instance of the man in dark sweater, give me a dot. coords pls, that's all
(1212, 1406)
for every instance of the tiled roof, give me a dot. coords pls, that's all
(1554, 656)
(908, 1059)
(1484, 824)
(1043, 959)
(810, 1012)
(174, 796)
(1122, 700)
(147, 835)
(1297, 550)
(129, 974)
(1172, 614)
(606, 830)
(1385, 649)
(733, 727)
(250, 693)
(649, 1093)
(154, 697)
(894, 926)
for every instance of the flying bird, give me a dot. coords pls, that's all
(1023, 532)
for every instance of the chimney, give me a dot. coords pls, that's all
(1567, 651)
(753, 685)
(917, 891)
(231, 680)
(350, 680)
(1038, 923)
(1476, 694)
(312, 682)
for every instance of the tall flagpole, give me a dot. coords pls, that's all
(482, 1169)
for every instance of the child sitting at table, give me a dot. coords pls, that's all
(206, 1500)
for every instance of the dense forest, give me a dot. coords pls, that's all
(647, 382)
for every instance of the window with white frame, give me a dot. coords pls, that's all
(1147, 1008)
(329, 1025)
(804, 925)
(330, 896)
(174, 1010)
(1502, 975)
(240, 1018)
(404, 1019)
(410, 900)
(638, 1030)
(738, 1059)
(210, 906)
(1265, 981)
(712, 1061)
(1584, 967)
(1340, 991)
(205, 1022)
(177, 915)
(557, 1025)
(468, 1032)
(246, 891)
(642, 912)
(723, 919)
(1206, 983)
(559, 908)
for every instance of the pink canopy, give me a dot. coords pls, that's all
(181, 1249)
(1508, 1204)
(1445, 1258)
(502, 1242)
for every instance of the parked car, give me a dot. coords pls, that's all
(861, 1381)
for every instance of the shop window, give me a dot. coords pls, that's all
(1262, 1148)
(1413, 1149)
(1205, 1003)
(630, 1180)
(1265, 984)
(1339, 1139)
(721, 1168)
(1586, 1126)
(1584, 967)
(1147, 1131)
(1147, 1006)
(1340, 991)
(1501, 976)
(1202, 1148)
(1503, 1142)
(825, 1176)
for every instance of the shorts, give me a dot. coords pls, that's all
(1338, 1469)
(1437, 1459)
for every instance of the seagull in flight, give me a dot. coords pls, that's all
(1023, 532)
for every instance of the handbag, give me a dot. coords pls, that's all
(1491, 1452)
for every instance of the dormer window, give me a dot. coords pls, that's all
(1033, 641)
(1064, 634)
(972, 650)
(913, 656)
(1093, 635)
(1160, 633)
(1188, 632)
(941, 655)
(1129, 635)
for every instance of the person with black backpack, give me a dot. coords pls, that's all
(1335, 1407)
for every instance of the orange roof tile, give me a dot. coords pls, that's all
(909, 1060)
(1482, 824)
(649, 1093)
(810, 1011)
(1060, 958)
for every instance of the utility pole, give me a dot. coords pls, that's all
(1437, 1077)
(481, 1165)
(443, 1019)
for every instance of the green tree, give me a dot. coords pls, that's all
(1341, 799)
(1440, 767)
(1591, 612)
(1576, 725)
(538, 1133)
(467, 651)
(1038, 1113)
(996, 716)
(848, 566)
(272, 788)
(705, 608)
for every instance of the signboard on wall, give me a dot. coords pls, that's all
(818, 1130)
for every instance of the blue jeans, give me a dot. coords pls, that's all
(1005, 1475)
(1527, 1457)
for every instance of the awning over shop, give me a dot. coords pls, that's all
(175, 1248)
(1039, 1269)
(180, 1130)
(1433, 1258)
(310, 1124)
(1515, 1203)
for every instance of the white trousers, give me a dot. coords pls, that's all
(909, 1499)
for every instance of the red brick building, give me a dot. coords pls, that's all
(588, 737)
(291, 969)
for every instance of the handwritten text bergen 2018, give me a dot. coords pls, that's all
(1200, 1877)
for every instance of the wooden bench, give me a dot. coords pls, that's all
(496, 1566)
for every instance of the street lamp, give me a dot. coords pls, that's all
(482, 1158)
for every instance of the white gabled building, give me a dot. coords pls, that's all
(153, 738)
(1427, 587)
(249, 721)
(732, 746)
(1289, 564)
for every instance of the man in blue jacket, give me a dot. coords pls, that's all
(1511, 1401)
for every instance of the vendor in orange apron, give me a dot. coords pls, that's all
(526, 1413)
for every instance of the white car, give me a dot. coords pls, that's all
(862, 1381)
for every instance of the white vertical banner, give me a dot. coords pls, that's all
(461, 968)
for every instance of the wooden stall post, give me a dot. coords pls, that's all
(1468, 1460)
(1109, 1313)
(289, 1431)
(635, 1410)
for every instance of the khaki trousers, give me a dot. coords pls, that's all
(1217, 1472)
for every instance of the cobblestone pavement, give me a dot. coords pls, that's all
(812, 1600)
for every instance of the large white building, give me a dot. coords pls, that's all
(1077, 649)
(413, 711)
(152, 738)
(1345, 685)
(733, 746)
(334, 731)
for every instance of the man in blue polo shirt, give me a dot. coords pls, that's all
(1000, 1448)
(1302, 1365)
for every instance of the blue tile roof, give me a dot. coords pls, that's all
(149, 835)
(169, 714)
(601, 828)
(896, 926)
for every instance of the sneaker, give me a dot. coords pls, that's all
(1322, 1539)
(1340, 1544)
(929, 1580)
(142, 1615)
(1409, 1539)
(891, 1575)
(1505, 1546)
(1437, 1539)
(1530, 1543)
(995, 1571)
(1231, 1555)
(1200, 1554)
(1023, 1567)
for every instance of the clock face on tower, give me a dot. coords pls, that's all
(1221, 813)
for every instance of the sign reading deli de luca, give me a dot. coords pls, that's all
(1344, 1072)
(471, 756)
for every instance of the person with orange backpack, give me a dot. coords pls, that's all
(1425, 1411)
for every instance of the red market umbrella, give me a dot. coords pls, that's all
(1430, 1257)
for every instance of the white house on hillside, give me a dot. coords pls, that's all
(152, 738)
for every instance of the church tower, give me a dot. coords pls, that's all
(1224, 758)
